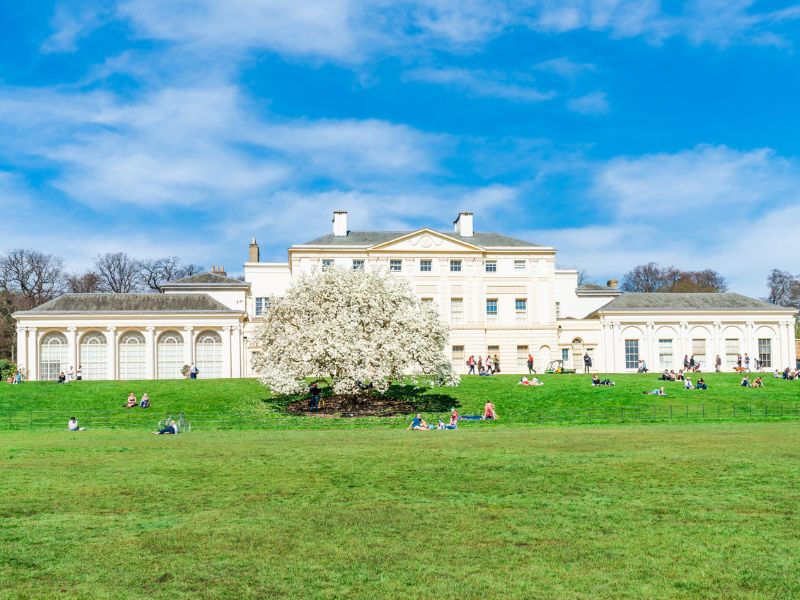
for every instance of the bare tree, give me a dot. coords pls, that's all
(118, 272)
(35, 276)
(643, 278)
(583, 277)
(655, 278)
(190, 269)
(784, 288)
(83, 283)
(158, 271)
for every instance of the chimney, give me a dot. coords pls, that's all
(463, 224)
(221, 271)
(340, 223)
(255, 253)
(612, 283)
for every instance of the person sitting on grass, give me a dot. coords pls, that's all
(701, 384)
(73, 425)
(171, 428)
(489, 412)
(757, 383)
(659, 392)
(61, 377)
(745, 381)
(687, 384)
(453, 420)
(417, 424)
(131, 401)
(145, 403)
(484, 372)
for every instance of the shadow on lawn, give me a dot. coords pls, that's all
(398, 400)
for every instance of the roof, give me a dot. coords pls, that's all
(372, 238)
(81, 303)
(595, 286)
(203, 279)
(688, 301)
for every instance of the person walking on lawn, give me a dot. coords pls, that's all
(530, 365)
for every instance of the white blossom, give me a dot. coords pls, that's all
(353, 327)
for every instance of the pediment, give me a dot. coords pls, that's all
(426, 240)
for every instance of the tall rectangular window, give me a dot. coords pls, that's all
(665, 357)
(456, 310)
(558, 310)
(520, 266)
(262, 306)
(490, 266)
(522, 357)
(455, 266)
(521, 308)
(426, 265)
(458, 358)
(765, 352)
(631, 354)
(565, 356)
(358, 264)
(699, 351)
(731, 352)
(327, 264)
(491, 309)
(396, 265)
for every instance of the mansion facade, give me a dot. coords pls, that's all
(500, 295)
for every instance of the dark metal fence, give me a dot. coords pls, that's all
(643, 413)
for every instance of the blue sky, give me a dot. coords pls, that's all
(619, 131)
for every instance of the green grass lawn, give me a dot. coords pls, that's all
(657, 511)
(244, 403)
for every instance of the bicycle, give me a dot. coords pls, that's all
(181, 421)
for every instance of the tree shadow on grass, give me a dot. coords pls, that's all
(398, 400)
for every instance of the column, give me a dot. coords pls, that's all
(615, 360)
(236, 352)
(22, 348)
(33, 354)
(750, 345)
(685, 349)
(188, 345)
(111, 340)
(717, 345)
(72, 342)
(226, 352)
(150, 351)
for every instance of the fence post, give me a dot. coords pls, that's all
(734, 411)
(670, 412)
(703, 412)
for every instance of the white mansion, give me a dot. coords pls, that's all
(501, 295)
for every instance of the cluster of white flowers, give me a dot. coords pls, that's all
(354, 327)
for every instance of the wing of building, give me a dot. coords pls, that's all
(501, 295)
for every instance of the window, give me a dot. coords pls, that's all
(94, 356)
(358, 264)
(631, 354)
(132, 356)
(731, 352)
(427, 300)
(665, 356)
(492, 350)
(522, 357)
(458, 358)
(396, 265)
(491, 309)
(765, 352)
(169, 354)
(209, 354)
(53, 356)
(521, 306)
(456, 310)
(262, 306)
(327, 264)
(490, 266)
(455, 266)
(520, 266)
(699, 351)
(426, 265)
(565, 356)
(558, 310)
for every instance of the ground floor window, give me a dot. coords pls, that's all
(209, 354)
(665, 356)
(170, 355)
(458, 360)
(631, 354)
(731, 352)
(565, 356)
(53, 356)
(699, 351)
(132, 356)
(94, 356)
(522, 357)
(765, 352)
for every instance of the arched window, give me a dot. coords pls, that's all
(170, 355)
(53, 356)
(209, 354)
(132, 356)
(94, 356)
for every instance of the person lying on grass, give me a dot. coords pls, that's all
(489, 412)
(131, 401)
(531, 381)
(73, 425)
(171, 428)
(659, 392)
(597, 381)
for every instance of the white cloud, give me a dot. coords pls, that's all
(564, 67)
(481, 83)
(595, 103)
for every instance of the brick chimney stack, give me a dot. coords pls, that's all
(255, 252)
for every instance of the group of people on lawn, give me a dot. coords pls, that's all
(420, 424)
(485, 367)
(132, 402)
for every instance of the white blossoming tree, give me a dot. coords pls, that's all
(354, 327)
